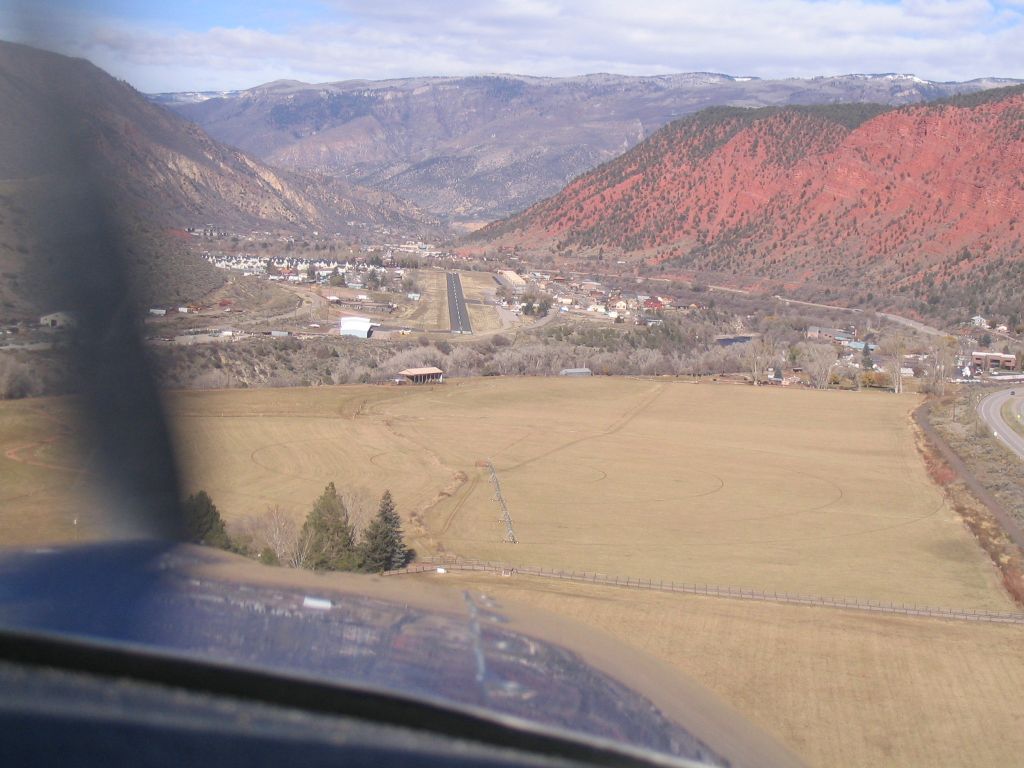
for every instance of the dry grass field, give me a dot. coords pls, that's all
(431, 311)
(800, 491)
(1012, 416)
(781, 490)
(480, 287)
(45, 494)
(838, 688)
(810, 492)
(484, 318)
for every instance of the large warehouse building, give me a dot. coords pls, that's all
(360, 327)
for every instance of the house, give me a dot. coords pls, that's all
(575, 372)
(833, 335)
(858, 346)
(727, 340)
(58, 320)
(979, 322)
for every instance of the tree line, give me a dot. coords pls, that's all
(326, 541)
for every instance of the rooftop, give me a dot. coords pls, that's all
(420, 371)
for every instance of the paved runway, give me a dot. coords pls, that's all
(990, 411)
(458, 315)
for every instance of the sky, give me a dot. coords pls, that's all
(195, 45)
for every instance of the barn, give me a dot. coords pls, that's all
(57, 320)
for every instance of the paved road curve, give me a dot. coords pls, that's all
(991, 412)
(458, 315)
(914, 324)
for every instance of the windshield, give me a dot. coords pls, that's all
(575, 385)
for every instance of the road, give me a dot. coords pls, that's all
(914, 324)
(458, 315)
(991, 412)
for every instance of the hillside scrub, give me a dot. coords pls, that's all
(683, 344)
(885, 208)
(995, 467)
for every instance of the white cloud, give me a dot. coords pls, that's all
(936, 39)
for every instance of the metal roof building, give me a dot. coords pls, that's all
(360, 327)
(575, 372)
(423, 375)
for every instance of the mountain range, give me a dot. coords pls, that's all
(856, 200)
(480, 148)
(922, 203)
(160, 172)
(169, 168)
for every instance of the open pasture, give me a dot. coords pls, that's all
(811, 492)
(816, 492)
(46, 489)
(431, 311)
(839, 688)
(479, 289)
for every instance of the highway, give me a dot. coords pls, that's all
(990, 410)
(458, 315)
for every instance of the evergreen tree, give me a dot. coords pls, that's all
(331, 538)
(382, 547)
(866, 362)
(203, 523)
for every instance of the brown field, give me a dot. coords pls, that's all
(483, 318)
(480, 287)
(837, 687)
(45, 496)
(431, 311)
(810, 492)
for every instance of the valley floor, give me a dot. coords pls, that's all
(800, 491)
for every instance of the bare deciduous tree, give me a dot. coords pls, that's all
(360, 506)
(281, 533)
(893, 349)
(761, 352)
(818, 361)
(942, 364)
